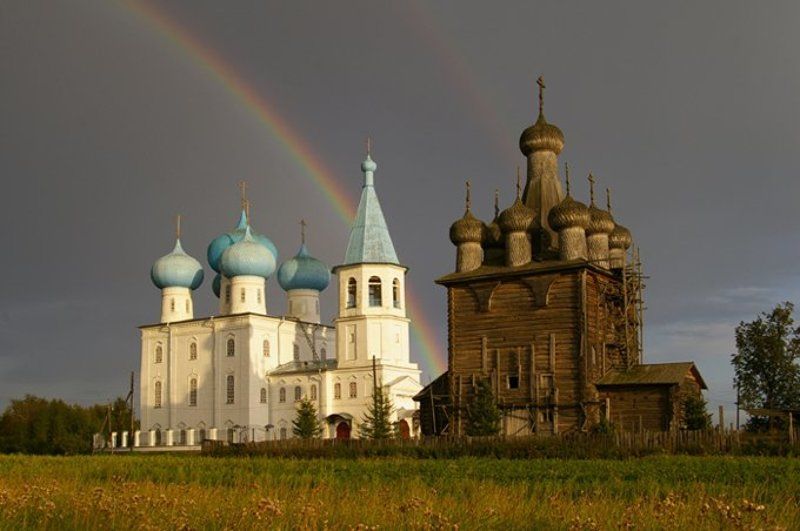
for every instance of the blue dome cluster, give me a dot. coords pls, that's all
(303, 272)
(177, 270)
(221, 243)
(247, 257)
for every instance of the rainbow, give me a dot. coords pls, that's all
(423, 334)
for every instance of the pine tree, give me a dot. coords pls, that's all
(377, 421)
(306, 425)
(483, 416)
(695, 415)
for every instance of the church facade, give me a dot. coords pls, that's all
(545, 304)
(239, 375)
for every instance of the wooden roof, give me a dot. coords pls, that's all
(531, 268)
(653, 374)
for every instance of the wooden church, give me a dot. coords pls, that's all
(546, 304)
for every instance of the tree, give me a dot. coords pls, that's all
(377, 421)
(483, 416)
(695, 416)
(766, 362)
(306, 425)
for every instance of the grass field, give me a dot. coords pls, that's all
(192, 492)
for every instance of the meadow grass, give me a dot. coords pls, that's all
(193, 492)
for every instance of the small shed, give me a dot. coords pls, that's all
(649, 396)
(434, 403)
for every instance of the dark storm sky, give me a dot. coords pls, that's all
(689, 111)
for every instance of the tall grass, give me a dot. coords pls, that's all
(192, 492)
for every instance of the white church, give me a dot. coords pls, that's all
(238, 376)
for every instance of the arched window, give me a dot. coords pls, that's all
(172, 305)
(337, 390)
(313, 392)
(159, 353)
(230, 347)
(157, 397)
(351, 293)
(298, 393)
(242, 295)
(375, 298)
(230, 391)
(266, 348)
(283, 433)
(396, 293)
(282, 395)
(296, 352)
(263, 395)
(323, 353)
(353, 390)
(192, 350)
(193, 392)
(227, 294)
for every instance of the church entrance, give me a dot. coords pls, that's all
(343, 430)
(405, 431)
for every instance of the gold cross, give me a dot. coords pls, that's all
(591, 188)
(243, 193)
(369, 146)
(496, 202)
(608, 199)
(178, 226)
(541, 84)
(469, 195)
(519, 185)
(303, 231)
(566, 171)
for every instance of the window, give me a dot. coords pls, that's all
(282, 395)
(192, 350)
(266, 348)
(263, 395)
(258, 296)
(351, 293)
(283, 433)
(159, 354)
(323, 353)
(298, 393)
(375, 298)
(313, 392)
(193, 392)
(157, 397)
(241, 295)
(396, 292)
(353, 390)
(513, 381)
(296, 352)
(230, 389)
(227, 294)
(337, 390)
(172, 305)
(230, 347)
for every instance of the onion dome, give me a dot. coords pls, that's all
(303, 271)
(517, 217)
(620, 238)
(568, 213)
(468, 229)
(218, 246)
(600, 221)
(216, 286)
(247, 257)
(177, 270)
(541, 136)
(368, 165)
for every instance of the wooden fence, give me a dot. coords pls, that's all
(570, 445)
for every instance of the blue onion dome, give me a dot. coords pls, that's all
(303, 271)
(216, 286)
(368, 164)
(222, 242)
(177, 270)
(247, 257)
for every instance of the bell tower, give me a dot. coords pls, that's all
(371, 320)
